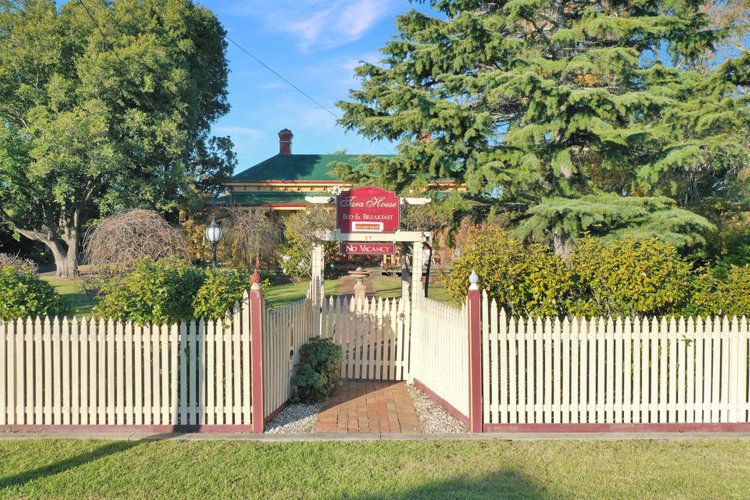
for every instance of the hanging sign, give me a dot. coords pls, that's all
(368, 210)
(351, 248)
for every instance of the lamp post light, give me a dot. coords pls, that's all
(214, 234)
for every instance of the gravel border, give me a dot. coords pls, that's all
(432, 417)
(294, 419)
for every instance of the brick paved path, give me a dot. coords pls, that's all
(369, 407)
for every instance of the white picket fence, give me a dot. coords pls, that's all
(614, 370)
(285, 331)
(373, 334)
(440, 357)
(95, 372)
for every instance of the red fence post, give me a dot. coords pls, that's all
(256, 343)
(475, 355)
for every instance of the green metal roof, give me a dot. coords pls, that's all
(295, 168)
(266, 198)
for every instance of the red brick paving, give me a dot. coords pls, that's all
(369, 407)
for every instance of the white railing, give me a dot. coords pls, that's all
(96, 372)
(614, 370)
(285, 331)
(373, 334)
(440, 359)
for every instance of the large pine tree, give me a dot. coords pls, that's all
(532, 99)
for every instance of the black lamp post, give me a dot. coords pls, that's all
(214, 234)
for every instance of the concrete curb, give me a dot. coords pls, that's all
(281, 438)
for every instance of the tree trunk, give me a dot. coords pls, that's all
(66, 259)
(562, 245)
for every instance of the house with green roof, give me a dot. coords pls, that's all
(283, 181)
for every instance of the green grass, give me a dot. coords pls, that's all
(284, 294)
(391, 287)
(395, 469)
(71, 292)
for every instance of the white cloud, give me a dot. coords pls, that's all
(318, 24)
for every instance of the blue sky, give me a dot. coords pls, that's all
(313, 43)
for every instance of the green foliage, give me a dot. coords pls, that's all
(562, 221)
(94, 124)
(18, 263)
(617, 278)
(729, 296)
(535, 99)
(154, 292)
(318, 372)
(22, 295)
(526, 279)
(219, 292)
(299, 231)
(628, 277)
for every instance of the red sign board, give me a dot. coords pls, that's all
(368, 210)
(351, 248)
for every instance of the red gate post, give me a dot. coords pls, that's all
(475, 354)
(256, 344)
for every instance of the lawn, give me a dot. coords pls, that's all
(446, 469)
(391, 287)
(70, 289)
(284, 294)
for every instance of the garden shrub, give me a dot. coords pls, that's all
(729, 296)
(22, 295)
(18, 263)
(219, 292)
(153, 292)
(628, 277)
(318, 371)
(526, 279)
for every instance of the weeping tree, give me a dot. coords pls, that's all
(102, 114)
(529, 100)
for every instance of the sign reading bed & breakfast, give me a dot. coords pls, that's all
(368, 209)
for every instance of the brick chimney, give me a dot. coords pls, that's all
(285, 141)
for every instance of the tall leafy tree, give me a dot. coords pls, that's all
(106, 105)
(534, 99)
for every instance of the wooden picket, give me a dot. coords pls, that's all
(105, 373)
(373, 334)
(439, 350)
(614, 370)
(285, 331)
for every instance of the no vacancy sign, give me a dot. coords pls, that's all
(351, 248)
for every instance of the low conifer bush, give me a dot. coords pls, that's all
(318, 372)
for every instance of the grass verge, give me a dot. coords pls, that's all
(446, 469)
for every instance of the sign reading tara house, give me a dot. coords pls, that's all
(368, 210)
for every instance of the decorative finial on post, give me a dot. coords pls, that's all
(473, 280)
(256, 276)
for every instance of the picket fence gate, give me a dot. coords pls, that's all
(92, 372)
(373, 334)
(440, 354)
